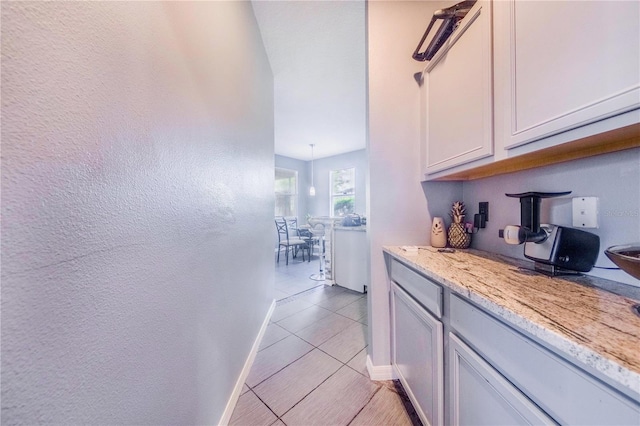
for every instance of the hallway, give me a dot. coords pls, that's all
(310, 369)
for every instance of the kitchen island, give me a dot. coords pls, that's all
(551, 347)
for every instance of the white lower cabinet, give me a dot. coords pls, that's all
(350, 261)
(481, 396)
(563, 391)
(418, 356)
(495, 374)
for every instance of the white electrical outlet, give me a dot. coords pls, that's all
(585, 212)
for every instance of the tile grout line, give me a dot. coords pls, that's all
(309, 393)
(324, 341)
(321, 383)
(311, 291)
(267, 378)
(265, 404)
(313, 347)
(295, 296)
(379, 387)
(331, 337)
(344, 364)
(278, 341)
(356, 320)
(365, 405)
(331, 375)
(298, 296)
(312, 305)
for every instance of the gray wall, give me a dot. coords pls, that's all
(613, 178)
(397, 211)
(137, 181)
(320, 204)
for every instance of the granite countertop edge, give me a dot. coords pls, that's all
(361, 228)
(573, 349)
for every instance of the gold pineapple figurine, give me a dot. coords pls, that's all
(458, 236)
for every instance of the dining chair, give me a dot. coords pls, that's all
(289, 241)
(309, 238)
(300, 232)
(292, 225)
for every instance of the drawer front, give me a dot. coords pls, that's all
(481, 396)
(568, 394)
(425, 291)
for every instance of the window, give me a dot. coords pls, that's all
(343, 191)
(286, 187)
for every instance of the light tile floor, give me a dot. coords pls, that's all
(294, 277)
(311, 365)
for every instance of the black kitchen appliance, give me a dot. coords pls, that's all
(556, 250)
(352, 220)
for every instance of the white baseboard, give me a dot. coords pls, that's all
(380, 372)
(233, 400)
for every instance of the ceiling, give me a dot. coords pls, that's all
(317, 53)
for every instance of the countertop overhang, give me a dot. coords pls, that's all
(583, 317)
(361, 228)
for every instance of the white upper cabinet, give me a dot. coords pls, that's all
(458, 98)
(564, 64)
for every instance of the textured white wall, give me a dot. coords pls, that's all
(137, 209)
(397, 210)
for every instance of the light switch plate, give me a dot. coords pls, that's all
(585, 212)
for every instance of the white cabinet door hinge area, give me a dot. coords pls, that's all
(458, 95)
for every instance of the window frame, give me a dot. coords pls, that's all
(332, 195)
(295, 194)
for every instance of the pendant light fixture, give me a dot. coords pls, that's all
(312, 189)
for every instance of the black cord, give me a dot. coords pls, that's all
(604, 267)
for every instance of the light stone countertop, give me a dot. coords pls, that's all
(575, 316)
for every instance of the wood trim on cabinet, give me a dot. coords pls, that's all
(615, 140)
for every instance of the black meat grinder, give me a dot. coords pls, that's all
(556, 250)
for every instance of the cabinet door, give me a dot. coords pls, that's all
(417, 356)
(564, 64)
(561, 389)
(458, 95)
(481, 396)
